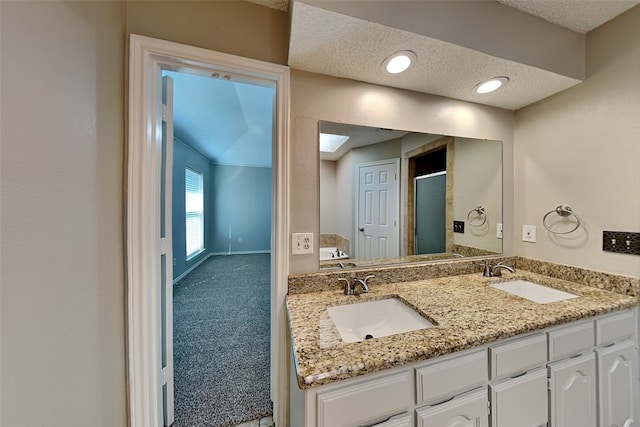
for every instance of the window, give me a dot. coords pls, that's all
(194, 212)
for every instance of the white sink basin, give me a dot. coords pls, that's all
(374, 319)
(533, 291)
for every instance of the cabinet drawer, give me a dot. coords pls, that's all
(366, 403)
(615, 327)
(571, 340)
(518, 356)
(445, 379)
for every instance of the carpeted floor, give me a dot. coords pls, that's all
(222, 342)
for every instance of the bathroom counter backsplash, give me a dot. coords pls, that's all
(325, 280)
(467, 313)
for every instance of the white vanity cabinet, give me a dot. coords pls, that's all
(617, 371)
(572, 376)
(582, 374)
(593, 378)
(518, 389)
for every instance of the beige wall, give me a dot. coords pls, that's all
(62, 162)
(477, 181)
(582, 148)
(315, 97)
(236, 27)
(63, 353)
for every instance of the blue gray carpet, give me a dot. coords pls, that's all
(222, 342)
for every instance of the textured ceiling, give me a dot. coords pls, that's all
(581, 16)
(338, 45)
(469, 42)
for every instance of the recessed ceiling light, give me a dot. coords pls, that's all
(329, 142)
(399, 62)
(491, 84)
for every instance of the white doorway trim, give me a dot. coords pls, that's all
(147, 57)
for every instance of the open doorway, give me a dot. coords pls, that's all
(149, 249)
(221, 244)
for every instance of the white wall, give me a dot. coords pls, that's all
(582, 148)
(62, 274)
(346, 101)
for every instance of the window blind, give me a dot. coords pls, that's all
(194, 211)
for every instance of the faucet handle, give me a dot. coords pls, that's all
(347, 286)
(487, 269)
(371, 276)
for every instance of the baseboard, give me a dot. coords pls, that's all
(190, 269)
(203, 259)
(241, 252)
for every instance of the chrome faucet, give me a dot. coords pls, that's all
(496, 270)
(356, 286)
(361, 286)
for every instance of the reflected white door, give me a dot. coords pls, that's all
(377, 210)
(166, 253)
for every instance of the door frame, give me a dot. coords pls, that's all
(143, 322)
(409, 165)
(356, 210)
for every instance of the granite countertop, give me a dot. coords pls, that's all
(465, 311)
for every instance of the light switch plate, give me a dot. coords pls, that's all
(301, 243)
(623, 242)
(499, 230)
(529, 233)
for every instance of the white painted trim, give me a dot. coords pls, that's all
(193, 267)
(147, 57)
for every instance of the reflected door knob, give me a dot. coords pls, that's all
(361, 228)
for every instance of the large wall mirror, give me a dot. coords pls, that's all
(390, 196)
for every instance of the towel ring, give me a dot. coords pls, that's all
(479, 212)
(563, 211)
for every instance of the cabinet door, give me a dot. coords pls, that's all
(573, 392)
(617, 385)
(468, 410)
(520, 401)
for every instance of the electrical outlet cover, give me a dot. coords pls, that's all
(529, 233)
(301, 243)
